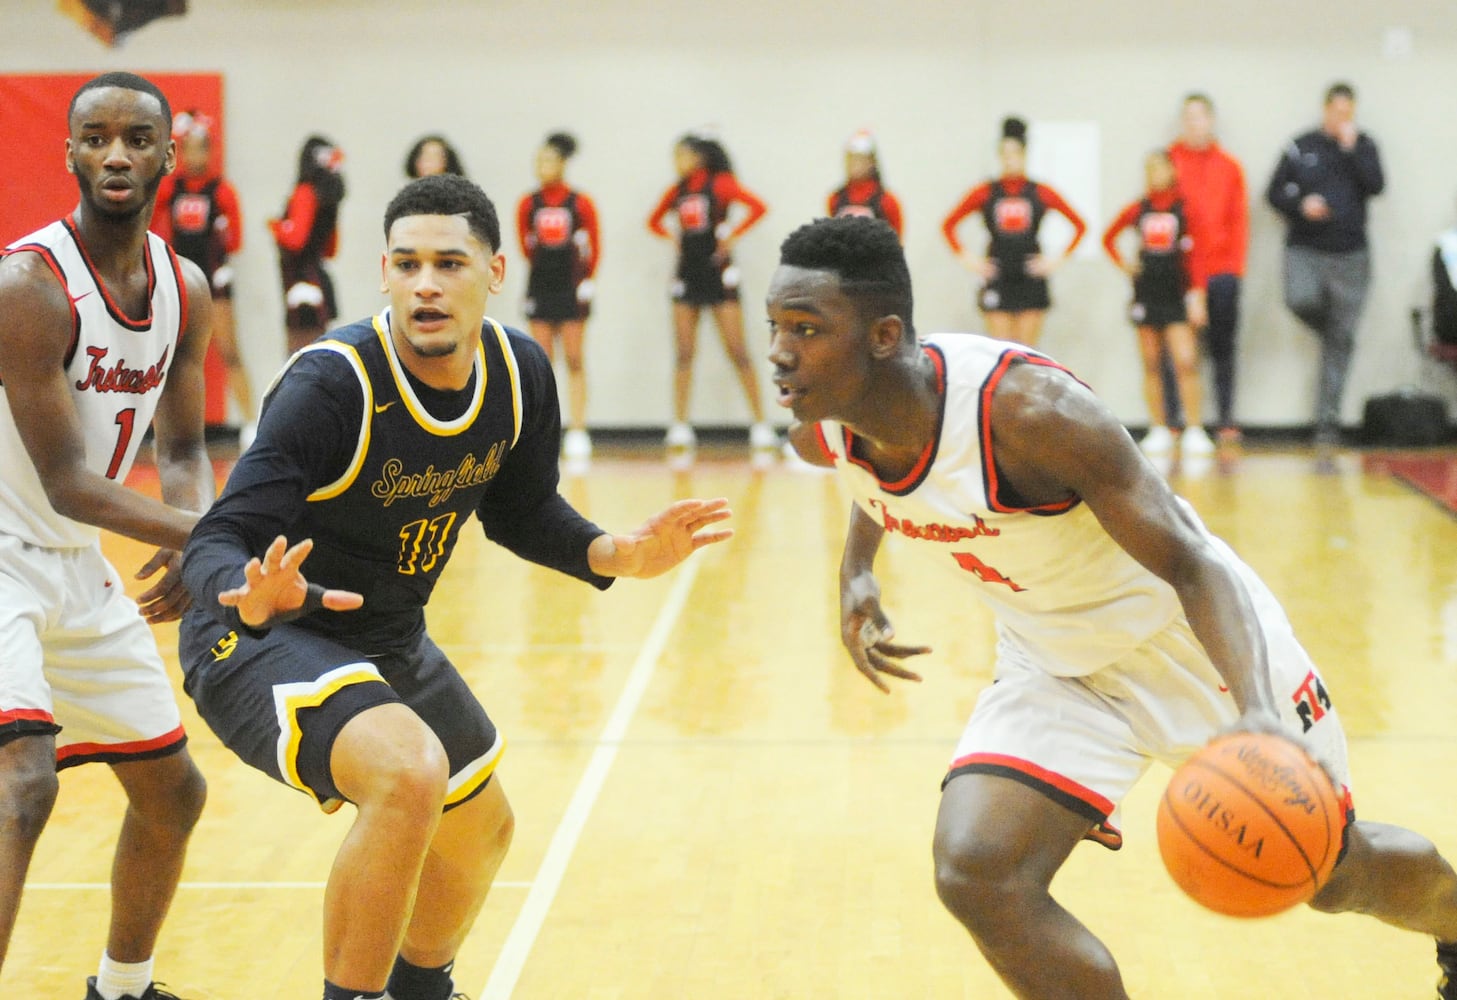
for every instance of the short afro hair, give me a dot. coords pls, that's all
(126, 81)
(867, 256)
(447, 194)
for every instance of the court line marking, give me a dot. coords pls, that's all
(88, 886)
(511, 961)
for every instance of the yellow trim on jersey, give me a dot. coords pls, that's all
(442, 428)
(470, 778)
(361, 444)
(290, 699)
(510, 358)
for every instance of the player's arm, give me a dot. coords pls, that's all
(524, 512)
(1054, 440)
(36, 327)
(864, 628)
(238, 564)
(179, 424)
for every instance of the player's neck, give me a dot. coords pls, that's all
(115, 246)
(900, 415)
(448, 373)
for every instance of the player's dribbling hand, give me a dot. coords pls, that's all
(167, 599)
(274, 588)
(662, 542)
(866, 633)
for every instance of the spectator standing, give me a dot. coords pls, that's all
(1320, 186)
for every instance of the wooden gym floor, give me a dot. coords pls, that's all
(711, 803)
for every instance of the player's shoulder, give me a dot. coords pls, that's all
(31, 277)
(522, 345)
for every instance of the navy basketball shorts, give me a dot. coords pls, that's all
(280, 700)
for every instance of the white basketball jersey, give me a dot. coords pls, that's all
(1065, 594)
(116, 368)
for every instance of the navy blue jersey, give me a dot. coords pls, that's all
(383, 472)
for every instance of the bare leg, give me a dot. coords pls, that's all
(28, 788)
(572, 335)
(1396, 876)
(462, 863)
(998, 324)
(388, 762)
(685, 334)
(998, 846)
(730, 319)
(544, 333)
(164, 800)
(224, 336)
(1150, 349)
(1027, 326)
(1184, 352)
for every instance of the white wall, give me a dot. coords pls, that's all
(785, 83)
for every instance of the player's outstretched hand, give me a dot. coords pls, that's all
(167, 599)
(866, 633)
(274, 590)
(662, 542)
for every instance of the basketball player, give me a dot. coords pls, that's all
(198, 213)
(1126, 631)
(1160, 282)
(102, 329)
(559, 237)
(1014, 299)
(706, 276)
(864, 191)
(375, 446)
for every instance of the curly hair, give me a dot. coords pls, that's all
(447, 194)
(867, 256)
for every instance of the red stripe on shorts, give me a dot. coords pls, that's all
(120, 749)
(1055, 780)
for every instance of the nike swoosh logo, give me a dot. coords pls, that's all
(380, 408)
(77, 298)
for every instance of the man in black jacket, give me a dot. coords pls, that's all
(1321, 185)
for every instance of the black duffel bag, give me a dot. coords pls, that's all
(1405, 418)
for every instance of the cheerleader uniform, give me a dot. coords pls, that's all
(1163, 276)
(559, 236)
(1013, 209)
(701, 201)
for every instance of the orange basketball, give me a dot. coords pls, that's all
(1250, 825)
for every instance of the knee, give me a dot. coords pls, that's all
(408, 774)
(172, 793)
(685, 358)
(27, 796)
(980, 885)
(574, 364)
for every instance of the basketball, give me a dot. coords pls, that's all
(1250, 825)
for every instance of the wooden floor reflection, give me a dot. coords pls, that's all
(760, 823)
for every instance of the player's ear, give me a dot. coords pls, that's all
(70, 158)
(169, 162)
(384, 263)
(886, 336)
(498, 274)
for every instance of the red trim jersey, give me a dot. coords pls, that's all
(1064, 593)
(116, 367)
(200, 217)
(701, 201)
(867, 197)
(1013, 208)
(556, 219)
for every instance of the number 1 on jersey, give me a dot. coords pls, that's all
(126, 420)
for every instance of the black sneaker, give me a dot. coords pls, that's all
(1447, 961)
(152, 992)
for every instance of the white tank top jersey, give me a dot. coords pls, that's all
(116, 368)
(1065, 595)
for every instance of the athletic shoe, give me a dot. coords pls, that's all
(1158, 441)
(1447, 962)
(680, 436)
(761, 435)
(577, 444)
(1195, 441)
(152, 992)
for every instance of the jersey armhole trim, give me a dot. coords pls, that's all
(991, 480)
(509, 356)
(45, 254)
(361, 443)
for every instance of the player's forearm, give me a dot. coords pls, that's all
(1224, 621)
(96, 500)
(862, 542)
(187, 480)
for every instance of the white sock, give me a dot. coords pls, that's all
(115, 980)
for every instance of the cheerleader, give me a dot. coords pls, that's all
(706, 277)
(432, 155)
(1160, 280)
(864, 192)
(559, 237)
(307, 234)
(198, 213)
(1014, 271)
